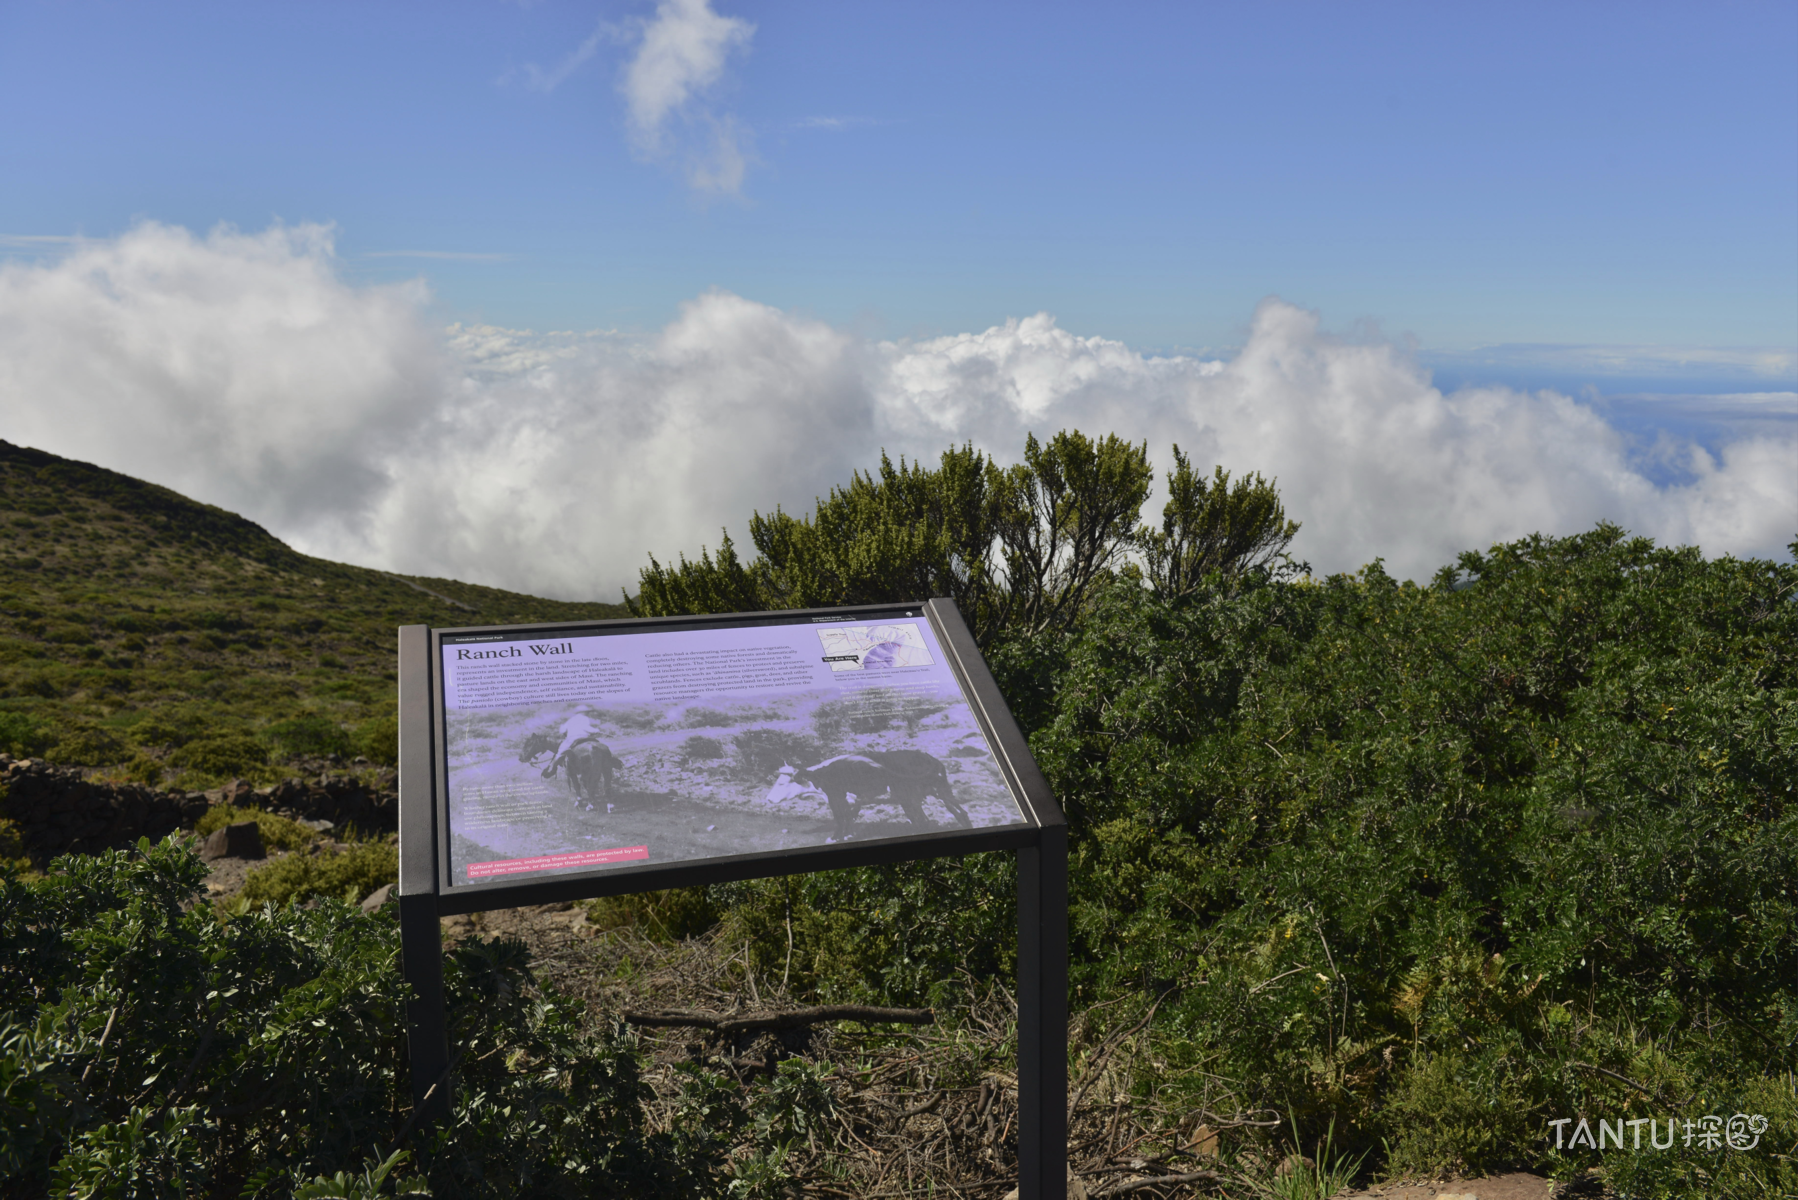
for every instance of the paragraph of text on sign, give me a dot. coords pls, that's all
(508, 682)
(684, 675)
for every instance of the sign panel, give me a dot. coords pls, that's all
(590, 748)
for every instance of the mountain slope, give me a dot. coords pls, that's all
(134, 620)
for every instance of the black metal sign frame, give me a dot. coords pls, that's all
(428, 892)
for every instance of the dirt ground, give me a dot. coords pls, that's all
(615, 971)
(1519, 1185)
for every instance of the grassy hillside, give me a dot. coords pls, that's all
(141, 629)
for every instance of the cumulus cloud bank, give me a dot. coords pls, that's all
(678, 63)
(243, 370)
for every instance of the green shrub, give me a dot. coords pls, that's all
(927, 932)
(1376, 835)
(22, 736)
(318, 736)
(12, 844)
(88, 747)
(1450, 1111)
(666, 916)
(230, 755)
(352, 874)
(281, 833)
(159, 731)
(378, 740)
(268, 1049)
(145, 769)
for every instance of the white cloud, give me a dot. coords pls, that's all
(237, 367)
(242, 370)
(548, 80)
(679, 62)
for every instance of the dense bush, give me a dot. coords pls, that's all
(150, 1049)
(350, 875)
(298, 736)
(1439, 863)
(223, 757)
(88, 745)
(378, 740)
(22, 736)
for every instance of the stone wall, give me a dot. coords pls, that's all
(58, 811)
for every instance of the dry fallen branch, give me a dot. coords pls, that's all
(1134, 1185)
(792, 1018)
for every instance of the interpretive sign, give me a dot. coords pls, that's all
(593, 749)
(561, 762)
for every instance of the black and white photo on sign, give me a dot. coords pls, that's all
(663, 764)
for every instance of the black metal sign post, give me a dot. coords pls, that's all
(479, 831)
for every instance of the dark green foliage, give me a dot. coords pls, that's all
(22, 736)
(148, 1048)
(1207, 527)
(319, 736)
(665, 916)
(1408, 854)
(931, 932)
(1066, 516)
(223, 757)
(88, 744)
(349, 876)
(1016, 548)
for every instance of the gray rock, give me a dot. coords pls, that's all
(243, 840)
(377, 898)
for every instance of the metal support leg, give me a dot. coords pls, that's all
(1043, 1017)
(427, 1037)
(421, 938)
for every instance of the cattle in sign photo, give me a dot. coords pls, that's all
(902, 777)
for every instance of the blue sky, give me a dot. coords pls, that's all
(523, 292)
(1470, 175)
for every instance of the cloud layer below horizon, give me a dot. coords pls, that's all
(243, 370)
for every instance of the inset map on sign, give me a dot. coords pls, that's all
(874, 647)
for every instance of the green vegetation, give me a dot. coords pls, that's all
(134, 622)
(1430, 865)
(664, 916)
(278, 832)
(350, 875)
(1422, 866)
(149, 1049)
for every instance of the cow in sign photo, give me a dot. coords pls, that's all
(902, 777)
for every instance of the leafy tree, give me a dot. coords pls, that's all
(1068, 514)
(1017, 548)
(1212, 526)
